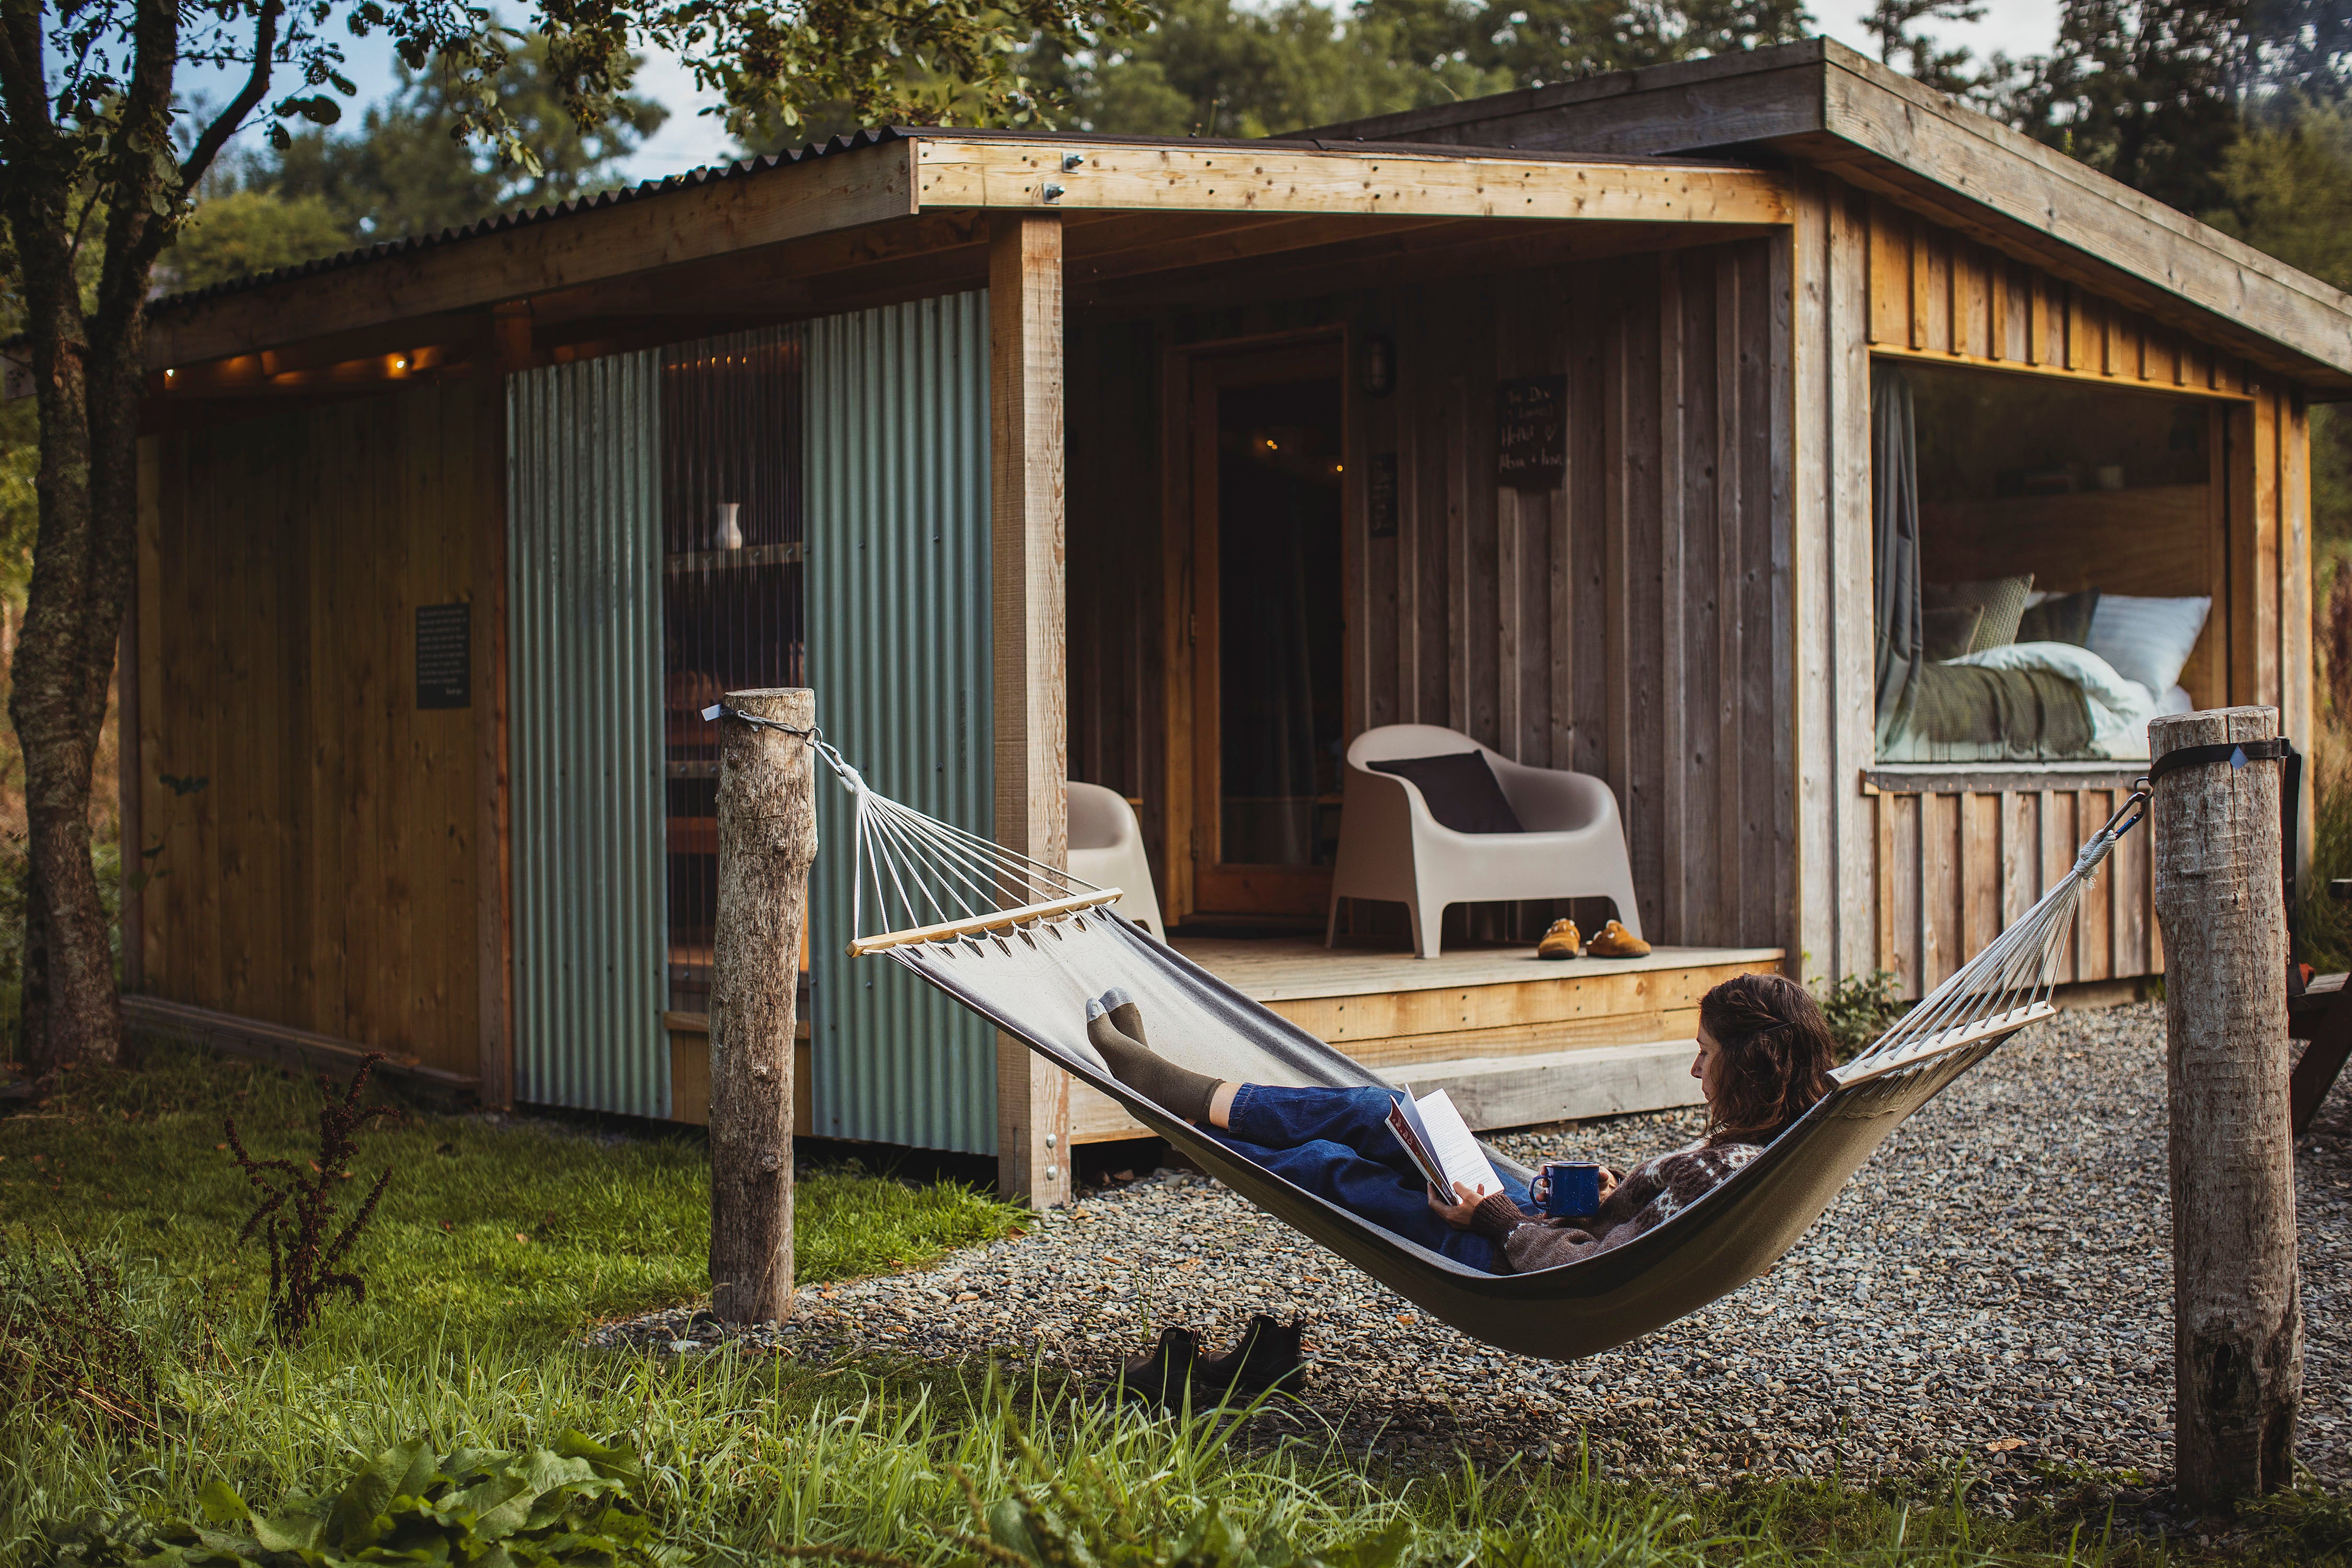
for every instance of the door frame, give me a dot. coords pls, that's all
(1193, 883)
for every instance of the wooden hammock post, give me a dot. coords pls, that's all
(767, 837)
(2236, 1319)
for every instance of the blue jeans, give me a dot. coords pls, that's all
(1336, 1143)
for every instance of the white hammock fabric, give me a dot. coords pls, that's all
(1025, 945)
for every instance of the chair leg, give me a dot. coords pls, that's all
(1331, 926)
(1621, 893)
(1428, 926)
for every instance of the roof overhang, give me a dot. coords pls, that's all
(864, 208)
(1820, 103)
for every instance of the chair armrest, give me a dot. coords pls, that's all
(1553, 800)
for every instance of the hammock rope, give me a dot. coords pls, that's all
(1024, 944)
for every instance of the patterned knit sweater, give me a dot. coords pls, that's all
(1651, 1193)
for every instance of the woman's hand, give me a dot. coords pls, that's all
(1457, 1215)
(1608, 1183)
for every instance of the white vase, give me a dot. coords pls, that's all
(731, 533)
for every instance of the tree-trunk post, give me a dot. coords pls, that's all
(767, 837)
(2237, 1333)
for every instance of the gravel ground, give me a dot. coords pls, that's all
(1995, 1284)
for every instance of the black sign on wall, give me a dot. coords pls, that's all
(1531, 433)
(445, 656)
(1380, 497)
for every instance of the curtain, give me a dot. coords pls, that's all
(1894, 509)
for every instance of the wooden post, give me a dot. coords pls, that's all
(1025, 393)
(2237, 1333)
(767, 836)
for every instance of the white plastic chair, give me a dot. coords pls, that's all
(1107, 849)
(1391, 847)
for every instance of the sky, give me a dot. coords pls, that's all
(690, 139)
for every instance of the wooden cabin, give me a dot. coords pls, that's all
(1173, 466)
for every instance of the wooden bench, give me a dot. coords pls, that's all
(2323, 1016)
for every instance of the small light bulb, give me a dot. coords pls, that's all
(1270, 445)
(400, 362)
(170, 374)
(1339, 467)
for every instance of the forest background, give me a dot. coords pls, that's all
(2236, 111)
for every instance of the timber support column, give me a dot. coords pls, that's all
(2237, 1321)
(1024, 419)
(767, 837)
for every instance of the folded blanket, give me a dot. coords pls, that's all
(2030, 715)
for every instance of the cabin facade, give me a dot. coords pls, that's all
(1173, 468)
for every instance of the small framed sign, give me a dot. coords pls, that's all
(1380, 497)
(445, 656)
(1531, 432)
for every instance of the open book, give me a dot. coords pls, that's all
(1439, 1141)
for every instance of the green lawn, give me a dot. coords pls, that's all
(497, 1245)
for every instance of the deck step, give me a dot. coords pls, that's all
(1494, 1092)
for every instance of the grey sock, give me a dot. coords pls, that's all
(1161, 1081)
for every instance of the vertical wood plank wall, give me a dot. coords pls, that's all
(1631, 623)
(318, 864)
(1951, 863)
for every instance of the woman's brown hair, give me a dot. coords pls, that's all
(1774, 1056)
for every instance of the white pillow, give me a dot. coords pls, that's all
(2146, 640)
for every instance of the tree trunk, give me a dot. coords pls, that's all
(2237, 1321)
(767, 837)
(72, 614)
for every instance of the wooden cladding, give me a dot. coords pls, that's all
(1631, 622)
(313, 834)
(1934, 293)
(1954, 868)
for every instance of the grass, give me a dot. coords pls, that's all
(516, 1234)
(497, 1244)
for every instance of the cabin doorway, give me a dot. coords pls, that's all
(1265, 633)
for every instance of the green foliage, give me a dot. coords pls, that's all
(242, 233)
(1859, 1008)
(568, 1506)
(409, 170)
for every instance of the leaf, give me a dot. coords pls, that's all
(221, 1505)
(357, 1521)
(289, 1531)
(1008, 1526)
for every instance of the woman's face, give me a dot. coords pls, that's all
(1710, 1055)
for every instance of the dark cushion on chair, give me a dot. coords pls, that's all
(1460, 789)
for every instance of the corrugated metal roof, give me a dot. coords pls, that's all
(744, 168)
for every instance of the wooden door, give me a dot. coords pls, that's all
(1264, 634)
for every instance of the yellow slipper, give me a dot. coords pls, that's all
(1613, 940)
(1559, 941)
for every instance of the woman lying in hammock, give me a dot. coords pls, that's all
(1763, 1060)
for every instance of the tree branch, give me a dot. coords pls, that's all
(208, 146)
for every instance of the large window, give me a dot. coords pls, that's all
(2047, 554)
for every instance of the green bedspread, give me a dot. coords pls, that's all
(2032, 714)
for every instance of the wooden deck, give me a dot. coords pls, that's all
(1516, 1039)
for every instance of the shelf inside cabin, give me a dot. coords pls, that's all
(788, 554)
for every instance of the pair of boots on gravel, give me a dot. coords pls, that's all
(1268, 1357)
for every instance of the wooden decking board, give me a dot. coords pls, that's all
(1292, 969)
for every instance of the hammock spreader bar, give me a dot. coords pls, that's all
(1025, 945)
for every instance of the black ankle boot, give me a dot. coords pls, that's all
(1159, 1378)
(1268, 1356)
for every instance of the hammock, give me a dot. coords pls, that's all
(1025, 945)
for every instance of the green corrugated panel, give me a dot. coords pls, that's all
(584, 704)
(899, 655)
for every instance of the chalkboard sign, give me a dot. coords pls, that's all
(445, 656)
(1380, 497)
(1531, 430)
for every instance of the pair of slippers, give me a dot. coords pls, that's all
(1611, 941)
(1267, 1358)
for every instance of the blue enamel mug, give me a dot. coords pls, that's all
(1567, 1189)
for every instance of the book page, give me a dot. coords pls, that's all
(1400, 1120)
(1448, 1139)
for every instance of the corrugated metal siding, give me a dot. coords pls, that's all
(899, 655)
(584, 570)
